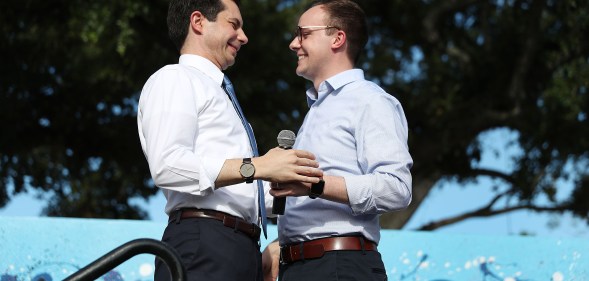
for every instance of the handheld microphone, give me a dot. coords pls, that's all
(286, 140)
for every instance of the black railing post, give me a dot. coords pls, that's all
(128, 250)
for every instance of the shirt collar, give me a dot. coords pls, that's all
(204, 65)
(332, 84)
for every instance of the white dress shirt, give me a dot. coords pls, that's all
(359, 132)
(188, 128)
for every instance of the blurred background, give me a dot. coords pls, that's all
(495, 93)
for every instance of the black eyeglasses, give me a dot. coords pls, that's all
(299, 31)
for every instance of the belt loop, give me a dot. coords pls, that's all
(178, 216)
(362, 245)
(302, 248)
(236, 224)
(255, 232)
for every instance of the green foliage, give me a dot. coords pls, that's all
(71, 73)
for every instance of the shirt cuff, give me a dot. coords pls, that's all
(210, 169)
(359, 190)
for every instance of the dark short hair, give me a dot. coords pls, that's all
(349, 17)
(179, 12)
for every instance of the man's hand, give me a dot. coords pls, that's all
(270, 261)
(334, 190)
(294, 189)
(280, 165)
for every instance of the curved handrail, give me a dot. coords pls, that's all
(128, 250)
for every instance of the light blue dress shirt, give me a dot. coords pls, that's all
(359, 132)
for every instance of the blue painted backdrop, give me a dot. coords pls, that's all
(54, 248)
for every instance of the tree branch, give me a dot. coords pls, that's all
(487, 211)
(493, 174)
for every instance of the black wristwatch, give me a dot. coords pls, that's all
(316, 189)
(247, 170)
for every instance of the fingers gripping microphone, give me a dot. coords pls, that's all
(286, 140)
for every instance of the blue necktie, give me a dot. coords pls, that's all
(228, 87)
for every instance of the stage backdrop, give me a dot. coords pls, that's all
(53, 248)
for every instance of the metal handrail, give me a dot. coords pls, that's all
(128, 250)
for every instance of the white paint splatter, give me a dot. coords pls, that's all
(482, 259)
(406, 261)
(419, 253)
(447, 264)
(509, 279)
(557, 276)
(424, 264)
(467, 265)
(145, 269)
(572, 266)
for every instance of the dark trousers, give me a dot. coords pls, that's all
(211, 251)
(337, 266)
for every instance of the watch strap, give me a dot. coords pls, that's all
(316, 189)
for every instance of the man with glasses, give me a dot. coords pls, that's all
(201, 151)
(359, 134)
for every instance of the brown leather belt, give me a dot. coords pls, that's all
(316, 248)
(234, 222)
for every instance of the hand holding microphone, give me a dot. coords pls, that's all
(292, 168)
(286, 140)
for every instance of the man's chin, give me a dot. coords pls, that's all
(300, 72)
(229, 63)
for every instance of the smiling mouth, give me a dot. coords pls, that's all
(234, 48)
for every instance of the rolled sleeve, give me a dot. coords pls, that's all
(384, 158)
(377, 193)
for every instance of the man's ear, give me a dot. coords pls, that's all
(339, 40)
(196, 21)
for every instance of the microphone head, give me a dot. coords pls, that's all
(286, 139)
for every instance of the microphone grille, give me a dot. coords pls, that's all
(286, 139)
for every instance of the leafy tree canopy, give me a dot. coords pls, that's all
(71, 73)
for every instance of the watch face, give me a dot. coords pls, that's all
(247, 170)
